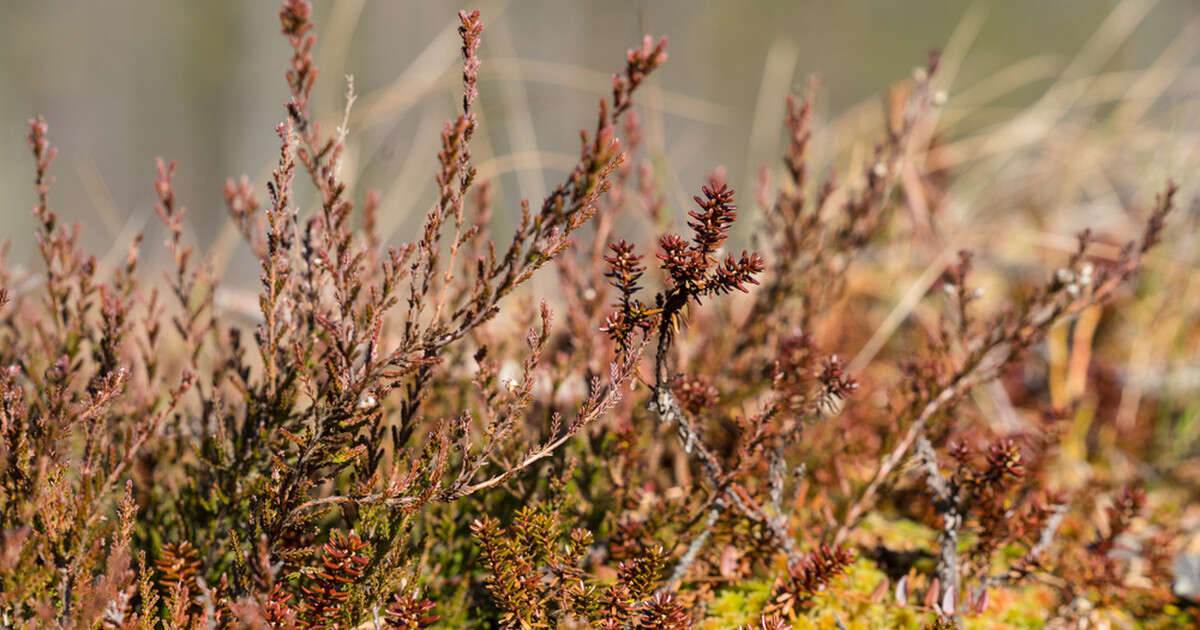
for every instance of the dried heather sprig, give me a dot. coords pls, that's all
(346, 410)
(469, 33)
(295, 20)
(696, 394)
(1126, 506)
(178, 566)
(811, 575)
(411, 612)
(710, 224)
(664, 612)
(694, 269)
(736, 274)
(639, 63)
(344, 559)
(997, 344)
(625, 269)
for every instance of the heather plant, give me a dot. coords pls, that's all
(408, 435)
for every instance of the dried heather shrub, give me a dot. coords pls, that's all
(411, 435)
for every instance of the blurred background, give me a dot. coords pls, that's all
(1095, 97)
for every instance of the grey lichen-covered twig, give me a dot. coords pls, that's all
(947, 503)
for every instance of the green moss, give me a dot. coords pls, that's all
(848, 601)
(738, 605)
(898, 534)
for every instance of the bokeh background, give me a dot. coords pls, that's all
(1095, 97)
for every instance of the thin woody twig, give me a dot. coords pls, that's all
(693, 551)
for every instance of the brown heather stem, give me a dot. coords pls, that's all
(693, 551)
(289, 495)
(537, 239)
(1032, 559)
(593, 409)
(151, 428)
(982, 365)
(866, 497)
(275, 264)
(1001, 343)
(694, 273)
